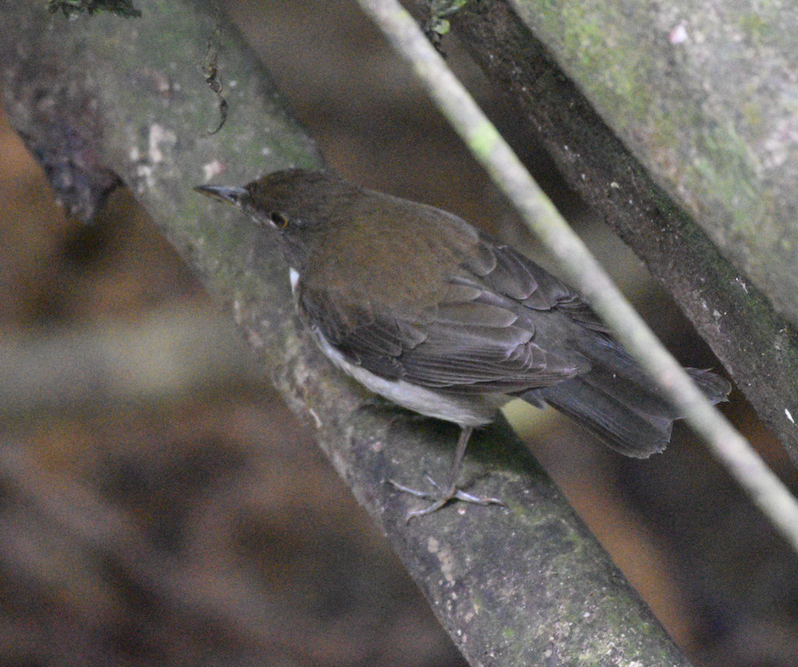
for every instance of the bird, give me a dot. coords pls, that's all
(438, 317)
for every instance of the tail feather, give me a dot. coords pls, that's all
(617, 402)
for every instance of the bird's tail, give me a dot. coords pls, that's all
(617, 402)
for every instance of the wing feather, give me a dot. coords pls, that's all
(481, 334)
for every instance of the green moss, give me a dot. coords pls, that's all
(728, 174)
(752, 112)
(608, 63)
(754, 27)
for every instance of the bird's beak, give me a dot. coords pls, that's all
(227, 194)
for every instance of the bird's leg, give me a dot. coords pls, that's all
(450, 491)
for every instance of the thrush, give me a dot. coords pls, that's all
(443, 319)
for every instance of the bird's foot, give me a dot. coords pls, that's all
(441, 497)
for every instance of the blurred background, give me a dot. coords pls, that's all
(160, 505)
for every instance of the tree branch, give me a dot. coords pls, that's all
(702, 93)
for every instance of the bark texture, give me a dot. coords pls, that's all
(704, 94)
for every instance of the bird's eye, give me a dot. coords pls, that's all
(278, 219)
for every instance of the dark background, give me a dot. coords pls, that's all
(160, 505)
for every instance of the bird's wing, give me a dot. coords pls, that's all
(499, 325)
(508, 273)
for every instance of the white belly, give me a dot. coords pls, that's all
(463, 410)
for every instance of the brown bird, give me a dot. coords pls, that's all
(427, 311)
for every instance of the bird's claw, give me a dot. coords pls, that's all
(441, 499)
